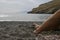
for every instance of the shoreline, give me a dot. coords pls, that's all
(21, 21)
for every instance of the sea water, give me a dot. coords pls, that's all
(23, 17)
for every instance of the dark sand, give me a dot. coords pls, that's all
(24, 31)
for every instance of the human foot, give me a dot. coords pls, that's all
(37, 27)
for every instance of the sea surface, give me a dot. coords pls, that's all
(23, 17)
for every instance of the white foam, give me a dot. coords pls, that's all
(3, 15)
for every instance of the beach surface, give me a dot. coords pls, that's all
(20, 30)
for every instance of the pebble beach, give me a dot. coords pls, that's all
(20, 30)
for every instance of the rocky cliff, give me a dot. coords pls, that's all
(49, 7)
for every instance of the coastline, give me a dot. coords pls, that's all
(46, 8)
(22, 30)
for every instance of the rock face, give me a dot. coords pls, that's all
(49, 7)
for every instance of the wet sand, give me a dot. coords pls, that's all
(18, 30)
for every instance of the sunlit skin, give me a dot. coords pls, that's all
(52, 23)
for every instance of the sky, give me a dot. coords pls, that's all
(16, 6)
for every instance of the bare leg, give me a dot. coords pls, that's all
(51, 23)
